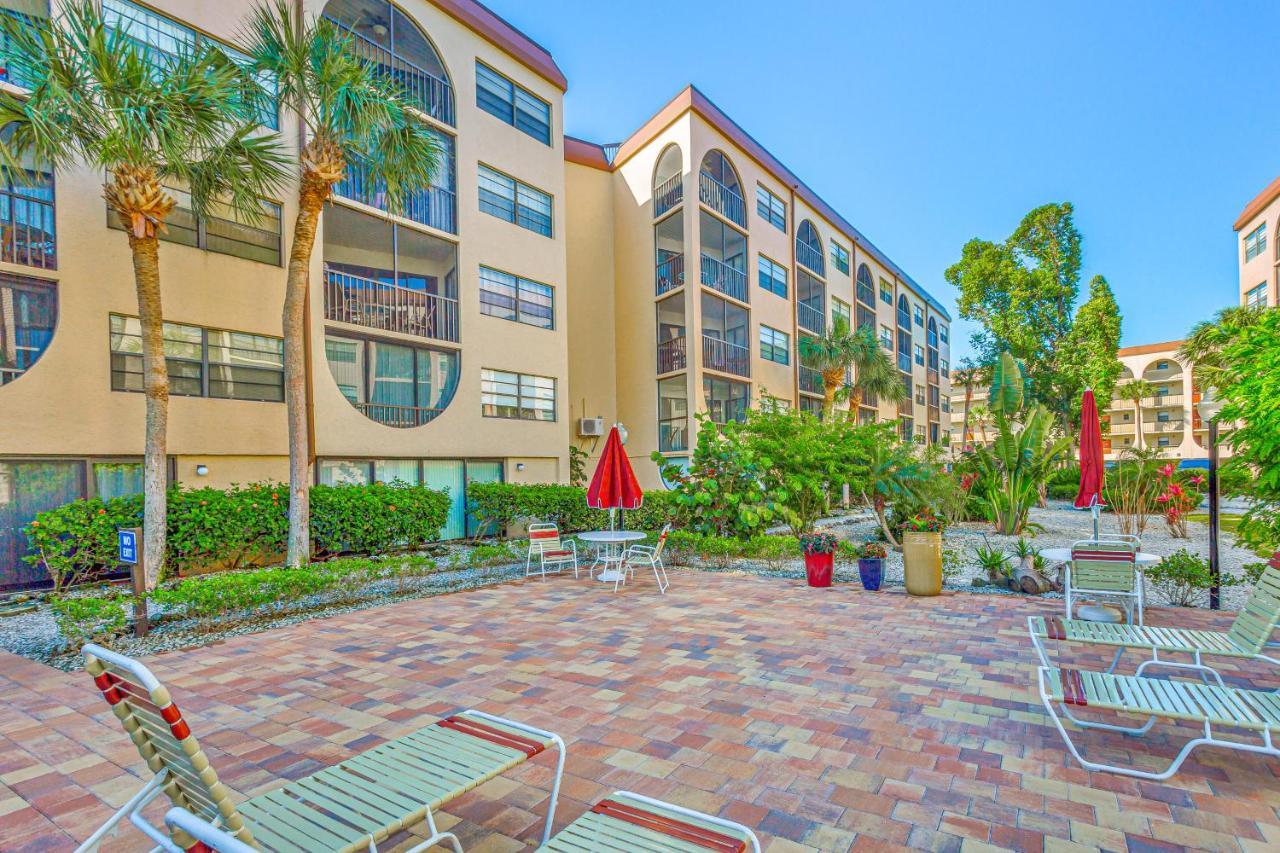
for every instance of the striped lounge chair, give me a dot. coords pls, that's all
(351, 806)
(1248, 636)
(1205, 705)
(623, 823)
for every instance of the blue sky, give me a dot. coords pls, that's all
(935, 122)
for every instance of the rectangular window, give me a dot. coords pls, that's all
(511, 297)
(841, 309)
(507, 198)
(673, 415)
(918, 313)
(886, 292)
(1256, 297)
(515, 105)
(886, 338)
(774, 345)
(202, 362)
(840, 257)
(946, 368)
(1255, 242)
(771, 208)
(919, 355)
(517, 395)
(726, 400)
(773, 277)
(1164, 441)
(920, 394)
(222, 229)
(945, 333)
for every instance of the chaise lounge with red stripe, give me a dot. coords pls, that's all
(351, 806)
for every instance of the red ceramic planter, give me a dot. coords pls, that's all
(819, 568)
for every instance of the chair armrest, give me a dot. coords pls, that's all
(205, 832)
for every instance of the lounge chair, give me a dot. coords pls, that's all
(1206, 705)
(1247, 637)
(650, 555)
(550, 549)
(623, 823)
(1104, 567)
(351, 806)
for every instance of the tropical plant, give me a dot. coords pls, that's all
(99, 97)
(835, 353)
(1135, 391)
(1179, 495)
(872, 550)
(967, 376)
(819, 542)
(1131, 488)
(354, 114)
(1024, 452)
(995, 562)
(1184, 579)
(924, 522)
(892, 473)
(1208, 340)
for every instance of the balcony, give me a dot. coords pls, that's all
(668, 194)
(810, 381)
(1163, 426)
(721, 199)
(1162, 401)
(810, 258)
(1122, 429)
(401, 417)
(811, 319)
(725, 357)
(669, 274)
(426, 91)
(671, 355)
(27, 233)
(720, 276)
(391, 308)
(433, 206)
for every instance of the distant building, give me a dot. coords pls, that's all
(1259, 249)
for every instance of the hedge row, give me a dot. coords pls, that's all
(237, 527)
(499, 505)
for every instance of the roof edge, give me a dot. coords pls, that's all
(1148, 349)
(493, 28)
(584, 153)
(1258, 204)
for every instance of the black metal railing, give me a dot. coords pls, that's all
(389, 307)
(27, 232)
(811, 319)
(434, 206)
(718, 275)
(726, 357)
(810, 380)
(669, 274)
(432, 94)
(668, 194)
(724, 201)
(671, 355)
(810, 257)
(398, 416)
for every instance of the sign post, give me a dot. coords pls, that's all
(129, 543)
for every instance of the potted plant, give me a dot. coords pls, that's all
(922, 553)
(871, 564)
(819, 557)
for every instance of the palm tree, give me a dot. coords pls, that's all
(1137, 390)
(1203, 346)
(840, 349)
(968, 375)
(148, 120)
(893, 473)
(981, 419)
(352, 113)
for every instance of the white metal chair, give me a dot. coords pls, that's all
(1105, 567)
(649, 554)
(551, 550)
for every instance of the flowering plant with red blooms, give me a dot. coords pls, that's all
(1179, 495)
(925, 522)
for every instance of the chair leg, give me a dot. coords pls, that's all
(663, 581)
(136, 803)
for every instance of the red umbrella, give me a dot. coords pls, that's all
(1089, 495)
(614, 484)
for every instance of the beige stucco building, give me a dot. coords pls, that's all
(697, 261)
(1258, 248)
(460, 341)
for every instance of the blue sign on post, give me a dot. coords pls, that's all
(127, 540)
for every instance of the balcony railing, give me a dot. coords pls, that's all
(668, 194)
(391, 308)
(398, 416)
(8, 374)
(811, 319)
(718, 275)
(721, 199)
(809, 257)
(669, 274)
(434, 206)
(27, 232)
(1122, 429)
(1163, 426)
(869, 398)
(810, 380)
(726, 357)
(1162, 400)
(431, 94)
(671, 355)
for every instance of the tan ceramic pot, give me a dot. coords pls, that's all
(922, 560)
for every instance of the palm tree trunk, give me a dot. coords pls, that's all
(155, 386)
(311, 198)
(964, 427)
(878, 506)
(1137, 404)
(831, 380)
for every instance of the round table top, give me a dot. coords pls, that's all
(1063, 555)
(611, 535)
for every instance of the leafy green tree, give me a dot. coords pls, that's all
(1135, 391)
(353, 114)
(147, 121)
(1088, 358)
(1204, 346)
(1023, 291)
(892, 473)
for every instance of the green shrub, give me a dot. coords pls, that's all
(376, 518)
(87, 619)
(494, 555)
(1183, 578)
(499, 505)
(230, 528)
(76, 542)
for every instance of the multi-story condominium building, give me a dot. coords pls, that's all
(1259, 248)
(980, 432)
(698, 262)
(438, 340)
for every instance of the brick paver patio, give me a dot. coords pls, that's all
(826, 719)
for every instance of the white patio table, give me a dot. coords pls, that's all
(610, 552)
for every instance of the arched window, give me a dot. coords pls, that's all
(387, 37)
(668, 181)
(720, 189)
(866, 287)
(933, 333)
(809, 248)
(28, 316)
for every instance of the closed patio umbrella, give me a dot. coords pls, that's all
(1089, 495)
(614, 485)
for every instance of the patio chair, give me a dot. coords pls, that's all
(1247, 637)
(623, 822)
(551, 550)
(650, 555)
(1206, 705)
(1104, 567)
(351, 806)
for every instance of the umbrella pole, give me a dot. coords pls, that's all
(1095, 509)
